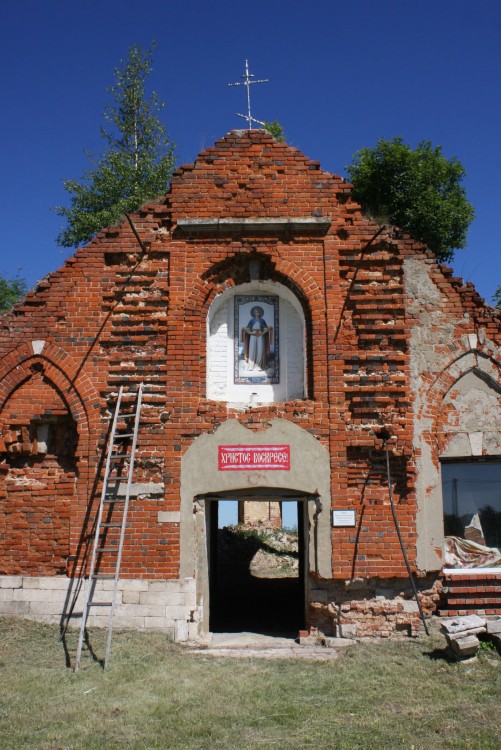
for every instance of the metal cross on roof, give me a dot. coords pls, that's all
(247, 83)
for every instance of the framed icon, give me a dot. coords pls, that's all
(256, 336)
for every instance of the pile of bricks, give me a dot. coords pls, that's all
(462, 634)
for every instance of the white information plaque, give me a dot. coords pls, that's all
(343, 518)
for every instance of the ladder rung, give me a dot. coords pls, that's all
(124, 435)
(107, 549)
(99, 604)
(111, 525)
(126, 416)
(109, 500)
(103, 577)
(118, 456)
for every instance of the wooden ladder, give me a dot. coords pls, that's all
(111, 518)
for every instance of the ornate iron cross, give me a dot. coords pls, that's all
(247, 82)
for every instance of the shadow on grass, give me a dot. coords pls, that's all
(87, 648)
(439, 654)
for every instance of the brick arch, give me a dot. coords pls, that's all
(487, 366)
(61, 371)
(431, 446)
(218, 278)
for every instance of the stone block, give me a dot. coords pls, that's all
(180, 631)
(179, 599)
(464, 634)
(176, 613)
(142, 610)
(169, 516)
(14, 608)
(147, 597)
(458, 624)
(190, 599)
(45, 608)
(496, 639)
(493, 626)
(130, 597)
(31, 582)
(160, 586)
(464, 648)
(58, 583)
(347, 631)
(11, 582)
(186, 584)
(105, 596)
(141, 488)
(31, 595)
(133, 584)
(105, 586)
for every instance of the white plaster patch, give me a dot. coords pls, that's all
(473, 340)
(419, 285)
(38, 346)
(169, 516)
(476, 443)
(477, 405)
(141, 488)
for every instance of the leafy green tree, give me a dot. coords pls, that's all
(276, 130)
(497, 297)
(137, 163)
(11, 290)
(418, 190)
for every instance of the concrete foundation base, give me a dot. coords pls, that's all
(169, 606)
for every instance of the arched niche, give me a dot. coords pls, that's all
(459, 419)
(231, 375)
(39, 443)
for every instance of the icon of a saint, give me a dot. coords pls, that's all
(256, 338)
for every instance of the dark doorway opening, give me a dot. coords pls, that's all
(256, 573)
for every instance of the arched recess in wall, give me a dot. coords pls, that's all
(44, 435)
(465, 399)
(460, 418)
(59, 369)
(256, 345)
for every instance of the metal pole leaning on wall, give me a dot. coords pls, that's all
(385, 435)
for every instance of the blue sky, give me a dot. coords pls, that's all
(342, 74)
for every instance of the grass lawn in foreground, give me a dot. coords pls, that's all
(154, 695)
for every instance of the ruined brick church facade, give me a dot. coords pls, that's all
(359, 328)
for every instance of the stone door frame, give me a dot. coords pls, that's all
(308, 479)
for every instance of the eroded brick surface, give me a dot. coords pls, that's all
(389, 334)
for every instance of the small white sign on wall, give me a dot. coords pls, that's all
(343, 517)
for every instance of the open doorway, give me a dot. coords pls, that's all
(256, 570)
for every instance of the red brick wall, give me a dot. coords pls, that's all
(37, 485)
(114, 314)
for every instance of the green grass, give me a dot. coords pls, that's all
(154, 695)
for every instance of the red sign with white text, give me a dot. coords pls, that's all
(252, 457)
